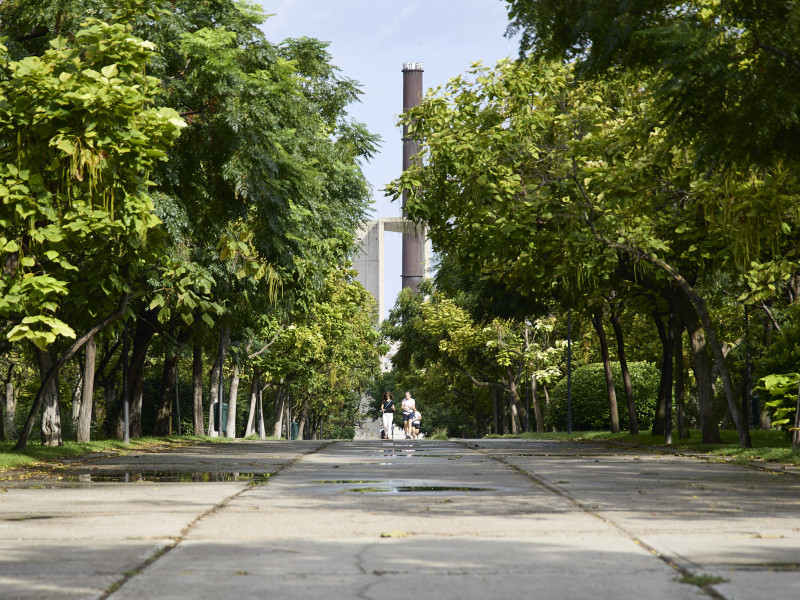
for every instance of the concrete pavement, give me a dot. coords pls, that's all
(426, 519)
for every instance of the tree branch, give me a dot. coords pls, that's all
(767, 310)
(778, 52)
(272, 341)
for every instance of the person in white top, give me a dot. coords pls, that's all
(415, 424)
(409, 406)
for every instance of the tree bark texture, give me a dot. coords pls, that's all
(537, 407)
(197, 389)
(663, 384)
(51, 409)
(84, 429)
(280, 411)
(702, 373)
(77, 395)
(213, 381)
(597, 320)
(164, 412)
(230, 430)
(680, 382)
(302, 420)
(145, 330)
(262, 431)
(9, 405)
(616, 324)
(252, 411)
(515, 404)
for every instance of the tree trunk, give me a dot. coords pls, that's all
(3, 423)
(280, 410)
(9, 406)
(145, 330)
(164, 413)
(616, 324)
(252, 413)
(663, 384)
(597, 320)
(302, 420)
(495, 412)
(167, 388)
(796, 432)
(230, 430)
(705, 395)
(197, 389)
(51, 409)
(77, 395)
(680, 382)
(504, 413)
(262, 432)
(84, 432)
(515, 404)
(213, 382)
(537, 407)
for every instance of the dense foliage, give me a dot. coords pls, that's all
(232, 238)
(590, 401)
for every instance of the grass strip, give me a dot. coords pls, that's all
(768, 445)
(40, 456)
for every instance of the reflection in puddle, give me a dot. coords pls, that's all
(165, 477)
(346, 481)
(418, 489)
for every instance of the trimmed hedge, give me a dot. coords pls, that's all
(590, 409)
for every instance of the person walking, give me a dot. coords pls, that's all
(387, 414)
(415, 424)
(409, 406)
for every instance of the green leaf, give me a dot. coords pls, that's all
(110, 71)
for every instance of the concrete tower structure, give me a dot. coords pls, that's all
(413, 269)
(416, 250)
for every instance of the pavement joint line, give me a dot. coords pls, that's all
(176, 541)
(541, 482)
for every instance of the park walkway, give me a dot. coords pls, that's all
(389, 520)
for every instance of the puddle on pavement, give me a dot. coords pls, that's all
(350, 481)
(427, 489)
(165, 477)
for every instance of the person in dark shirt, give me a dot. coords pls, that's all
(387, 413)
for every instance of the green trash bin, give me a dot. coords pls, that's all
(295, 430)
(215, 408)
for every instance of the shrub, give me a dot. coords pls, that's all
(590, 409)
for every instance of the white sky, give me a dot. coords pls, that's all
(369, 42)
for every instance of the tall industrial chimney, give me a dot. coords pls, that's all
(413, 240)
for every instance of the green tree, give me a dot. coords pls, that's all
(579, 181)
(81, 136)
